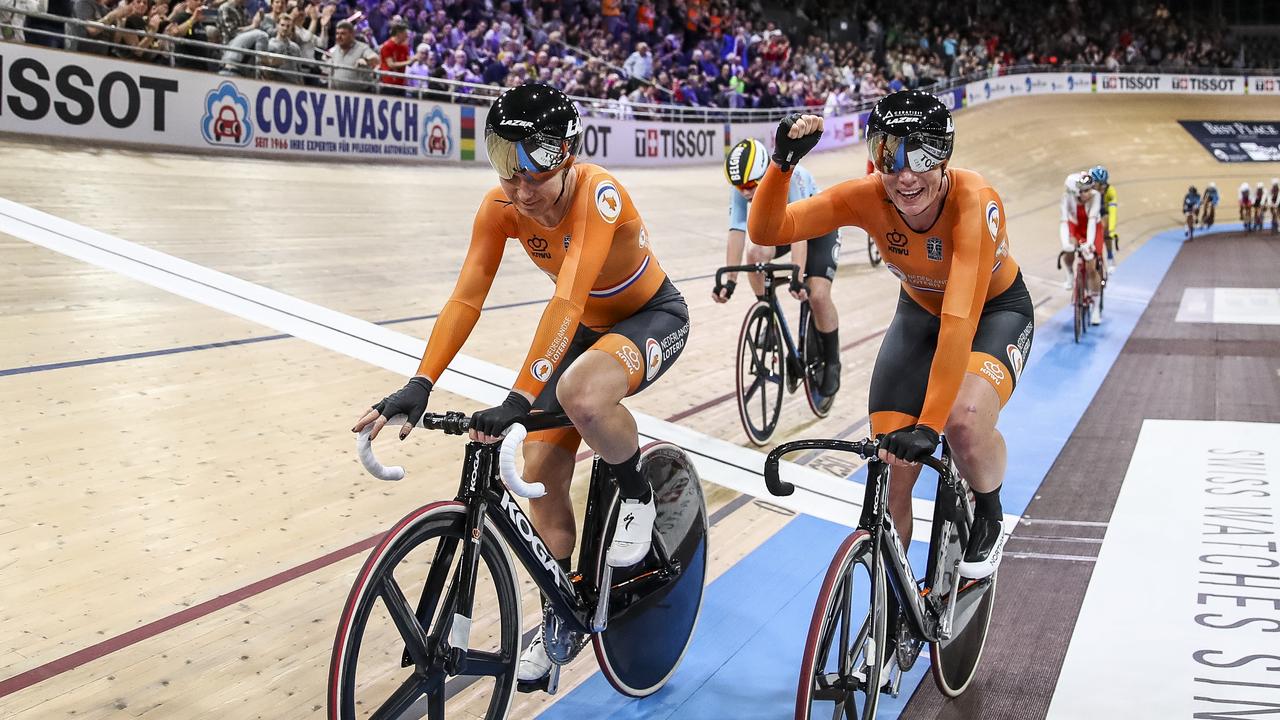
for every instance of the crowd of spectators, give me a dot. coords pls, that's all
(710, 53)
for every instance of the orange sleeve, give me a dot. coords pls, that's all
(962, 303)
(460, 313)
(579, 272)
(772, 221)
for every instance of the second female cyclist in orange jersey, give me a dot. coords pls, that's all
(615, 324)
(964, 322)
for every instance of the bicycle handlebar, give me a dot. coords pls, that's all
(866, 449)
(458, 423)
(761, 268)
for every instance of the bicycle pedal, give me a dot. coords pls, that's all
(548, 683)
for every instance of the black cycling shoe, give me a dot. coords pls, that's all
(830, 379)
(986, 544)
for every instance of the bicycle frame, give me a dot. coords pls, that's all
(487, 499)
(771, 282)
(929, 621)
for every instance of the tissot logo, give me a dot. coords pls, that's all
(897, 243)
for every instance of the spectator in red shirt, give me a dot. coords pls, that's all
(395, 58)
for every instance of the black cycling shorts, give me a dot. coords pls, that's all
(646, 345)
(1001, 346)
(823, 257)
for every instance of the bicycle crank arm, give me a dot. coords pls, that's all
(601, 616)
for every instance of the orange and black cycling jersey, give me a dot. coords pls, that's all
(950, 269)
(598, 256)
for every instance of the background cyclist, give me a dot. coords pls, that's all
(1209, 206)
(615, 324)
(1080, 233)
(1107, 191)
(1259, 205)
(1190, 208)
(1272, 204)
(964, 322)
(1246, 206)
(818, 257)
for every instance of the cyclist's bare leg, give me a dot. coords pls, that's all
(976, 444)
(901, 480)
(591, 392)
(825, 317)
(552, 513)
(758, 254)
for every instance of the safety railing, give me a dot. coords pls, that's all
(231, 59)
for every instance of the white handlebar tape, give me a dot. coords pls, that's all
(365, 451)
(507, 465)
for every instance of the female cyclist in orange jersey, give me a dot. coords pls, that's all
(615, 324)
(964, 323)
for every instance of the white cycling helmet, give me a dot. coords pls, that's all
(1244, 187)
(1212, 185)
(1275, 181)
(1079, 182)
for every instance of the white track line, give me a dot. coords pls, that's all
(732, 466)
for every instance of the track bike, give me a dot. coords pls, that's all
(873, 617)
(1081, 298)
(770, 362)
(460, 641)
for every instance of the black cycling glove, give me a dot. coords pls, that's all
(496, 420)
(409, 400)
(787, 151)
(727, 287)
(796, 285)
(911, 444)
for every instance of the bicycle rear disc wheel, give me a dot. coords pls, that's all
(840, 673)
(814, 366)
(377, 674)
(761, 373)
(651, 620)
(955, 660)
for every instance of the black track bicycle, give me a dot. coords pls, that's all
(770, 363)
(432, 625)
(860, 644)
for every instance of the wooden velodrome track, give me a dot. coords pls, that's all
(168, 487)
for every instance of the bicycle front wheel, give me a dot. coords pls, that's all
(761, 373)
(840, 674)
(393, 659)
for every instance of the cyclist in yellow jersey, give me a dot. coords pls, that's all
(1102, 180)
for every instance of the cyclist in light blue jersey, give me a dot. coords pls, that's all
(819, 257)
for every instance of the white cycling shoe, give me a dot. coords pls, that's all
(986, 545)
(633, 534)
(1095, 313)
(534, 662)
